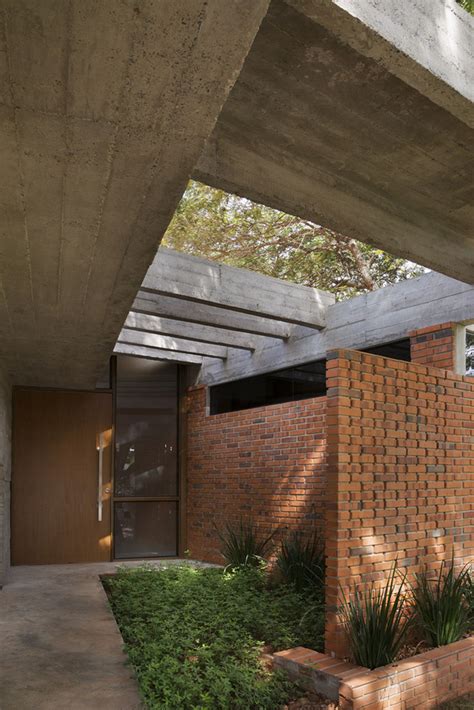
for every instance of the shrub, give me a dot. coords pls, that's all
(241, 545)
(300, 561)
(440, 605)
(376, 622)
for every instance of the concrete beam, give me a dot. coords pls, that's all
(192, 331)
(372, 319)
(318, 128)
(210, 283)
(425, 43)
(165, 342)
(156, 354)
(210, 316)
(104, 110)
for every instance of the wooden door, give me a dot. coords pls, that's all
(56, 475)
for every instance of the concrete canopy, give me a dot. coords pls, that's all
(104, 110)
(358, 116)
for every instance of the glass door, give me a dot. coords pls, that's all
(146, 498)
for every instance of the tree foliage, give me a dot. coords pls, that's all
(216, 225)
(467, 5)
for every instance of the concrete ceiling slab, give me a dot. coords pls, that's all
(425, 43)
(318, 126)
(104, 110)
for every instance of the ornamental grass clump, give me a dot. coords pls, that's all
(241, 546)
(376, 621)
(301, 563)
(441, 605)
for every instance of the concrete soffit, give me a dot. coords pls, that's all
(336, 110)
(358, 116)
(428, 44)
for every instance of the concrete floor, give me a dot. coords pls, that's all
(59, 645)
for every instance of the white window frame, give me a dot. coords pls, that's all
(460, 345)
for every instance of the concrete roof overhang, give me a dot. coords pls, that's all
(331, 122)
(351, 116)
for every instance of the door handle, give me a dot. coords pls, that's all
(100, 449)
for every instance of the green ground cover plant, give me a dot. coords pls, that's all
(195, 636)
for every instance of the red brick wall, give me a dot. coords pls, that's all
(421, 682)
(435, 346)
(400, 471)
(267, 463)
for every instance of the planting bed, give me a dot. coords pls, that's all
(197, 638)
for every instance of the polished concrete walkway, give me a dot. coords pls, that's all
(60, 648)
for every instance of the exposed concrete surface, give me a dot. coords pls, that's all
(426, 43)
(5, 471)
(60, 647)
(151, 353)
(104, 110)
(351, 114)
(382, 316)
(319, 129)
(199, 280)
(200, 314)
(198, 333)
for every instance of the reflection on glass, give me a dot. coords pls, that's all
(146, 428)
(470, 352)
(145, 529)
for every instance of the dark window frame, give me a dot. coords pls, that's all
(397, 349)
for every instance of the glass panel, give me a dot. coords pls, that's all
(271, 388)
(146, 430)
(397, 350)
(145, 529)
(470, 352)
(289, 385)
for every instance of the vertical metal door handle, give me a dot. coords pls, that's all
(100, 449)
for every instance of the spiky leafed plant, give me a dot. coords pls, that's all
(440, 604)
(469, 596)
(242, 546)
(300, 561)
(376, 621)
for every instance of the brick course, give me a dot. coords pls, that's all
(400, 472)
(395, 482)
(420, 682)
(435, 346)
(267, 464)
